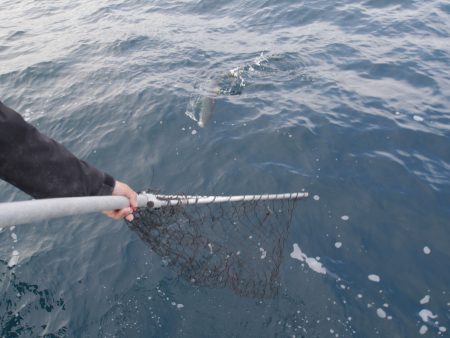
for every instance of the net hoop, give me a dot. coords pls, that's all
(157, 201)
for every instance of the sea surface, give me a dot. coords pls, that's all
(349, 101)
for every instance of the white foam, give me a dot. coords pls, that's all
(316, 197)
(14, 237)
(193, 132)
(425, 299)
(374, 278)
(338, 244)
(14, 259)
(381, 313)
(442, 329)
(426, 315)
(12, 228)
(418, 118)
(297, 253)
(235, 72)
(260, 59)
(426, 250)
(312, 262)
(180, 306)
(263, 253)
(345, 218)
(423, 329)
(191, 114)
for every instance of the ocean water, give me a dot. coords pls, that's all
(347, 100)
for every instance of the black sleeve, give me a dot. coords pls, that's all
(42, 167)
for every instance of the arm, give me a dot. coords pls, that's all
(43, 168)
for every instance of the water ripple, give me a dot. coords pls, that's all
(348, 100)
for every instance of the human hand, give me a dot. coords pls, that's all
(122, 189)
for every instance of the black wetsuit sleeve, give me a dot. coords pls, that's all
(41, 167)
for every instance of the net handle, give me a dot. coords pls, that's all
(14, 213)
(22, 212)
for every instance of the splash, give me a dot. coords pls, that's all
(202, 102)
(313, 263)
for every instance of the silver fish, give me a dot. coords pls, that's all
(208, 103)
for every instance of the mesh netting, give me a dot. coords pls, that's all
(236, 245)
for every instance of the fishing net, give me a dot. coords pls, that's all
(237, 245)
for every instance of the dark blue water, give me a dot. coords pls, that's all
(349, 101)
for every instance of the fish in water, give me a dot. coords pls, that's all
(208, 104)
(204, 103)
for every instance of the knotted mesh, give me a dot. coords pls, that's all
(234, 245)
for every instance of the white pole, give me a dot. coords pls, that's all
(14, 213)
(22, 212)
